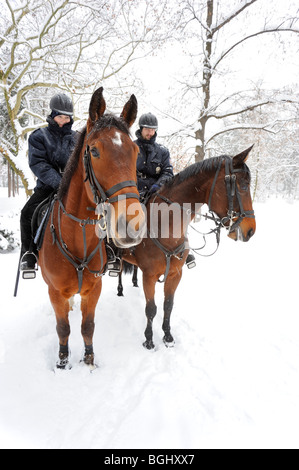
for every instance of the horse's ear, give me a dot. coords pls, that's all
(97, 107)
(129, 112)
(241, 157)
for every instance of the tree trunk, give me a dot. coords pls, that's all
(9, 180)
(206, 86)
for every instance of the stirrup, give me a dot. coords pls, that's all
(114, 267)
(28, 272)
(191, 263)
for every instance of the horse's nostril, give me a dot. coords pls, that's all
(250, 233)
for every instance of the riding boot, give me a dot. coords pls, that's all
(190, 261)
(114, 259)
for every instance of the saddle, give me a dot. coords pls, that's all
(40, 219)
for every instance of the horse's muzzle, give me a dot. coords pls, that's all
(244, 233)
(129, 233)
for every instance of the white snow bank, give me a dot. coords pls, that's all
(231, 381)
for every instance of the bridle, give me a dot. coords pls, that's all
(99, 195)
(232, 190)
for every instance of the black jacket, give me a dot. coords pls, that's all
(49, 151)
(153, 163)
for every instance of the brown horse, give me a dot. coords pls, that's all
(101, 174)
(224, 184)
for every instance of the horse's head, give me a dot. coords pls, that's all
(110, 165)
(235, 209)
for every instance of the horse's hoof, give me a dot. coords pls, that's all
(149, 345)
(88, 361)
(63, 364)
(169, 344)
(169, 341)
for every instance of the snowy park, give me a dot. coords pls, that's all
(204, 79)
(231, 381)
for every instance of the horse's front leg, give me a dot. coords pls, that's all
(171, 285)
(88, 305)
(61, 307)
(149, 284)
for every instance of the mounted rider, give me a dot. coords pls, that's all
(153, 164)
(49, 150)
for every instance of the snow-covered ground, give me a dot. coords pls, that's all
(231, 381)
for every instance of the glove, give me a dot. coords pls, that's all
(154, 189)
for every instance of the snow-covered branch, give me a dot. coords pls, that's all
(250, 36)
(269, 127)
(250, 107)
(232, 15)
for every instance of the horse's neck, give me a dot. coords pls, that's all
(188, 196)
(190, 193)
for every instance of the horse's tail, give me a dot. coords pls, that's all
(128, 268)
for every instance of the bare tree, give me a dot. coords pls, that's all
(214, 31)
(70, 45)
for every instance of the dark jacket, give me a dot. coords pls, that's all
(49, 151)
(153, 163)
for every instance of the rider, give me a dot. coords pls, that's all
(153, 164)
(49, 150)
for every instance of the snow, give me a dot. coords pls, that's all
(231, 381)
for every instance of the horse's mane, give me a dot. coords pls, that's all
(208, 165)
(105, 122)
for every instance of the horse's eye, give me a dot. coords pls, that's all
(244, 185)
(94, 152)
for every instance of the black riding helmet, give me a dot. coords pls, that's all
(148, 120)
(62, 104)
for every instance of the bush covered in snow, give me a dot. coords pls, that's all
(8, 239)
(10, 209)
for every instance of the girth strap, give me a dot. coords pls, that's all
(168, 254)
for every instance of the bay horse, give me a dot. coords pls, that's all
(101, 173)
(223, 183)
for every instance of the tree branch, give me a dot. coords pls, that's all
(232, 16)
(274, 30)
(250, 108)
(254, 127)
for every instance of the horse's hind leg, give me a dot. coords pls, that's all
(88, 306)
(61, 307)
(135, 277)
(149, 284)
(171, 285)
